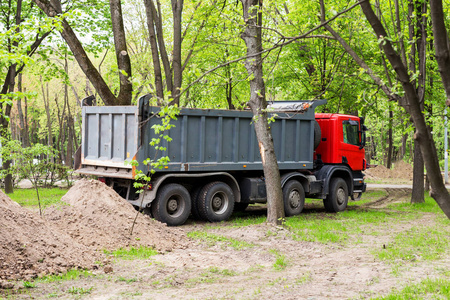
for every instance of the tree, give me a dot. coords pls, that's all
(19, 41)
(412, 105)
(414, 62)
(252, 36)
(54, 9)
(29, 162)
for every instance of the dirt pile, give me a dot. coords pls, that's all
(99, 218)
(31, 246)
(75, 235)
(401, 170)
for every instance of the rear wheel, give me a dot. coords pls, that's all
(293, 198)
(216, 202)
(337, 198)
(172, 204)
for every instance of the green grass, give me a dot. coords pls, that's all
(213, 274)
(28, 197)
(280, 260)
(28, 284)
(79, 290)
(417, 243)
(426, 289)
(338, 228)
(127, 280)
(133, 253)
(213, 239)
(73, 274)
(429, 206)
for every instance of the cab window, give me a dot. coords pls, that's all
(351, 132)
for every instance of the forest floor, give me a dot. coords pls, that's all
(355, 256)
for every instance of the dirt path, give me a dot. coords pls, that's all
(269, 264)
(313, 271)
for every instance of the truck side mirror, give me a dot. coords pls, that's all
(363, 136)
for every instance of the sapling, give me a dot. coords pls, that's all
(27, 162)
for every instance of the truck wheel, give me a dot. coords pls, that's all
(215, 202)
(337, 198)
(293, 198)
(172, 205)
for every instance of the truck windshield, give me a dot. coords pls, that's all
(351, 135)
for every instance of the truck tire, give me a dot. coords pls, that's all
(337, 198)
(172, 205)
(293, 198)
(216, 202)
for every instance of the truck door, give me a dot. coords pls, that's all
(351, 150)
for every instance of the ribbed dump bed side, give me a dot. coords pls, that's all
(224, 140)
(109, 140)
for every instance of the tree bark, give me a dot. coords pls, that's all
(22, 121)
(422, 135)
(252, 37)
(151, 23)
(441, 44)
(177, 9)
(123, 59)
(417, 195)
(390, 141)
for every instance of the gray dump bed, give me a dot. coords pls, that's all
(204, 140)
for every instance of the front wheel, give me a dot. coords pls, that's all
(293, 198)
(215, 202)
(337, 198)
(172, 205)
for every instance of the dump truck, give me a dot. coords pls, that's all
(215, 165)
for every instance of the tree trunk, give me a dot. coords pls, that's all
(258, 104)
(441, 44)
(418, 189)
(22, 121)
(177, 9)
(151, 23)
(390, 141)
(123, 59)
(422, 135)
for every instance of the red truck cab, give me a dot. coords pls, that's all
(342, 140)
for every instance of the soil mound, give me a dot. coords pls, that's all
(99, 218)
(401, 170)
(30, 246)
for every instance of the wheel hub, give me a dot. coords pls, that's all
(216, 202)
(294, 199)
(172, 205)
(341, 195)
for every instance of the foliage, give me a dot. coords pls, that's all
(166, 114)
(28, 162)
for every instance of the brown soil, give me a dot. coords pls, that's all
(74, 236)
(400, 170)
(96, 218)
(31, 245)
